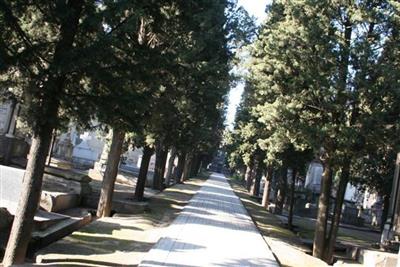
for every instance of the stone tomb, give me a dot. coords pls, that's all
(48, 226)
(11, 180)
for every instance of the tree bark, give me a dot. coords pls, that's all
(282, 185)
(110, 174)
(32, 183)
(170, 167)
(330, 243)
(201, 164)
(179, 168)
(321, 240)
(187, 167)
(267, 188)
(385, 211)
(161, 159)
(291, 204)
(29, 200)
(249, 176)
(194, 169)
(53, 140)
(323, 209)
(257, 180)
(144, 167)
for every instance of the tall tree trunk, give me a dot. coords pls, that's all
(257, 180)
(200, 165)
(179, 168)
(330, 243)
(187, 167)
(291, 204)
(281, 197)
(110, 174)
(29, 200)
(385, 211)
(249, 176)
(170, 167)
(195, 166)
(161, 158)
(321, 243)
(323, 209)
(267, 188)
(144, 167)
(53, 140)
(32, 183)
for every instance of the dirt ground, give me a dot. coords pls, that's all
(121, 240)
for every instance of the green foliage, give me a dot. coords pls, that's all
(158, 69)
(323, 77)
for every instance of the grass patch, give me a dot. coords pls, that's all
(268, 223)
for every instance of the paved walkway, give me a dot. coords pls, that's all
(214, 229)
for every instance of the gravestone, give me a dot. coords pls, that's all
(83, 156)
(313, 177)
(5, 113)
(48, 226)
(59, 193)
(64, 147)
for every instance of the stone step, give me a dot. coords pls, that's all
(44, 219)
(42, 238)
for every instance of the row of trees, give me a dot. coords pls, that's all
(323, 84)
(154, 72)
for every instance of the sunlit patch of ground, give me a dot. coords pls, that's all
(123, 240)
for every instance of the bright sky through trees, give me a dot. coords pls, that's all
(255, 8)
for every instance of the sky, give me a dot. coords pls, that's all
(255, 8)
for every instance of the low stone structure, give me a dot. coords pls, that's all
(61, 189)
(62, 192)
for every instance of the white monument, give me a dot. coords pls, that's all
(313, 177)
(88, 151)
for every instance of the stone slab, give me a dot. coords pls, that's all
(372, 258)
(60, 184)
(58, 201)
(44, 219)
(44, 237)
(68, 174)
(121, 179)
(58, 193)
